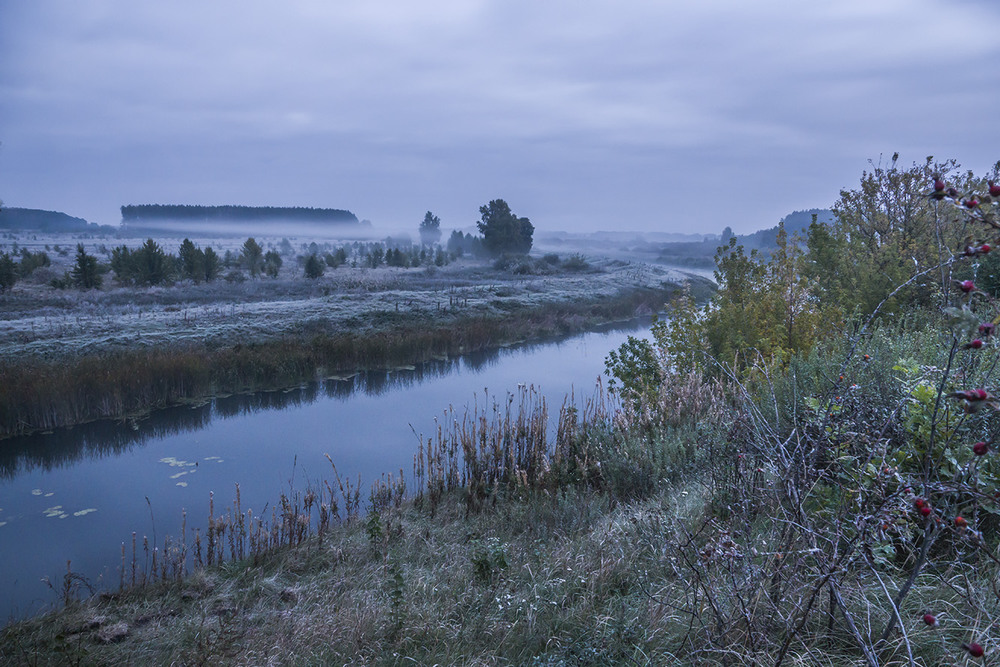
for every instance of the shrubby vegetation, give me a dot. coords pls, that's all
(804, 470)
(856, 504)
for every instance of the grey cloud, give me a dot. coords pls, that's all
(582, 111)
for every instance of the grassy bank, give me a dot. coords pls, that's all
(37, 394)
(712, 522)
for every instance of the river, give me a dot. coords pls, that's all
(78, 494)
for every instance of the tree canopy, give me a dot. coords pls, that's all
(504, 232)
(430, 229)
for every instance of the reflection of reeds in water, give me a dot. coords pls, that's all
(497, 447)
(97, 439)
(37, 395)
(235, 534)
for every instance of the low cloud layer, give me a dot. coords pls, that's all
(646, 115)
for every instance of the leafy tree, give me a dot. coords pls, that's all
(314, 267)
(252, 257)
(504, 232)
(456, 243)
(634, 369)
(212, 263)
(86, 274)
(430, 229)
(727, 234)
(192, 261)
(894, 233)
(8, 272)
(272, 263)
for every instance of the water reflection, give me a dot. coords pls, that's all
(67, 446)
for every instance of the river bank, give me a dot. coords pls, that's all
(75, 358)
(514, 541)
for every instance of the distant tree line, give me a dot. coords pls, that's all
(133, 213)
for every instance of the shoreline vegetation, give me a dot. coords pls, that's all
(63, 383)
(803, 471)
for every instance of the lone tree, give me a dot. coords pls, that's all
(504, 232)
(192, 261)
(430, 229)
(253, 257)
(151, 265)
(314, 267)
(86, 273)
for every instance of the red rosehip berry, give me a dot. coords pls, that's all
(974, 649)
(974, 345)
(919, 503)
(961, 522)
(980, 448)
(931, 620)
(971, 203)
(985, 248)
(967, 286)
(925, 510)
(938, 185)
(994, 189)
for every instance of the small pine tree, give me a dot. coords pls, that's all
(151, 264)
(8, 272)
(314, 267)
(85, 272)
(192, 261)
(252, 257)
(272, 263)
(212, 262)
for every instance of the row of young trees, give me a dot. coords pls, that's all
(150, 264)
(502, 233)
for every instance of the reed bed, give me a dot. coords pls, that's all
(38, 395)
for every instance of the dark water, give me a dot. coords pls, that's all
(78, 494)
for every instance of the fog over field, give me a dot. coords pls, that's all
(667, 117)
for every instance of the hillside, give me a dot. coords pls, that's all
(32, 219)
(796, 222)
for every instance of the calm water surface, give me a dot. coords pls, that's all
(78, 494)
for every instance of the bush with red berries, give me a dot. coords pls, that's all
(862, 503)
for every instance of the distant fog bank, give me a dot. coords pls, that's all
(237, 220)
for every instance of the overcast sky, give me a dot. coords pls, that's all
(582, 115)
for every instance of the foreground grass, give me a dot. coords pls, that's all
(574, 578)
(703, 523)
(555, 580)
